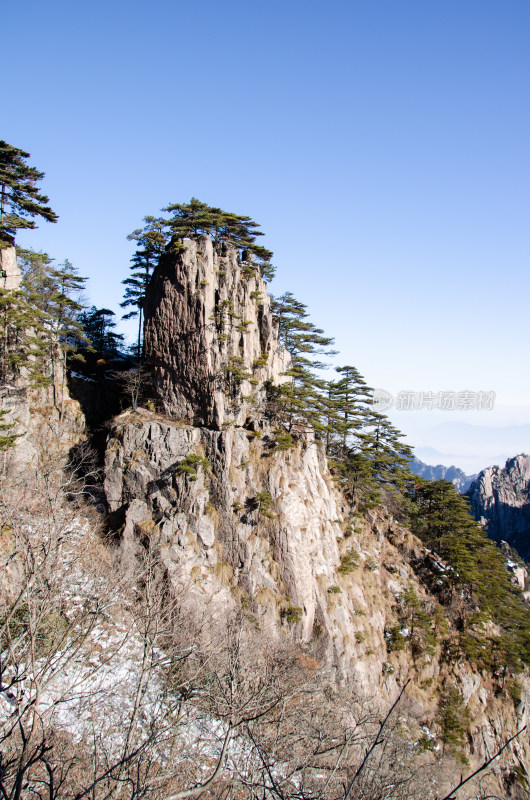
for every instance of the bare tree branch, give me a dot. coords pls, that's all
(374, 744)
(484, 766)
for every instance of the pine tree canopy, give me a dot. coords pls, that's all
(306, 397)
(7, 439)
(364, 448)
(348, 398)
(196, 218)
(152, 237)
(152, 240)
(143, 263)
(98, 326)
(39, 324)
(17, 344)
(20, 199)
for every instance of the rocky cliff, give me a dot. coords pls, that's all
(500, 501)
(210, 336)
(242, 522)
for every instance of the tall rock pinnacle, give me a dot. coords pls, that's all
(210, 335)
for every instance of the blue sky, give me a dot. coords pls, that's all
(382, 146)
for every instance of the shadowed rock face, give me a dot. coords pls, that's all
(500, 501)
(208, 323)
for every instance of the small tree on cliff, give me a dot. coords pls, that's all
(17, 343)
(53, 294)
(304, 398)
(142, 265)
(7, 438)
(349, 397)
(20, 199)
(382, 445)
(152, 240)
(152, 236)
(98, 326)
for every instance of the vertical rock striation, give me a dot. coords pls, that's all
(210, 336)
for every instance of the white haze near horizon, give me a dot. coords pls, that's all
(470, 440)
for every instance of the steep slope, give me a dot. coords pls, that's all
(500, 501)
(335, 584)
(243, 524)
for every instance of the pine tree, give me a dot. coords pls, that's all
(389, 457)
(355, 477)
(152, 240)
(348, 409)
(20, 199)
(193, 218)
(305, 398)
(17, 344)
(143, 263)
(98, 326)
(54, 295)
(349, 398)
(22, 317)
(38, 289)
(152, 236)
(7, 440)
(475, 582)
(66, 325)
(196, 218)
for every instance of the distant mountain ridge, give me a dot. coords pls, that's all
(500, 500)
(453, 474)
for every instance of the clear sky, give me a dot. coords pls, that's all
(382, 145)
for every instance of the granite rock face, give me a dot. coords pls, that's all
(286, 565)
(308, 570)
(500, 501)
(10, 275)
(45, 435)
(210, 336)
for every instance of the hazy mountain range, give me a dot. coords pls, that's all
(470, 447)
(439, 472)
